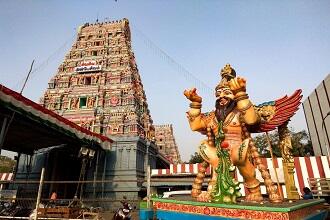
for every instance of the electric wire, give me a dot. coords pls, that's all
(203, 87)
(49, 59)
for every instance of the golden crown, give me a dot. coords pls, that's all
(227, 73)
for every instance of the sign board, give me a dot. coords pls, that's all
(88, 63)
(92, 68)
(88, 66)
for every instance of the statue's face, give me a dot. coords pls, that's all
(224, 96)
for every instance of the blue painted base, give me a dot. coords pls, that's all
(167, 215)
(146, 214)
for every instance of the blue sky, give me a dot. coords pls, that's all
(278, 46)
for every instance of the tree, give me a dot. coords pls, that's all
(6, 164)
(262, 144)
(301, 144)
(196, 158)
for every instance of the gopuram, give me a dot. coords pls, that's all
(166, 142)
(229, 146)
(98, 87)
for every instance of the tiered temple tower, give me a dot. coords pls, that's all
(166, 142)
(98, 85)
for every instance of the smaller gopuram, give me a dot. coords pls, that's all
(166, 142)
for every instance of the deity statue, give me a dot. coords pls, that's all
(91, 101)
(229, 143)
(74, 103)
(81, 80)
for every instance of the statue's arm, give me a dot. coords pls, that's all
(195, 120)
(194, 114)
(244, 105)
(250, 116)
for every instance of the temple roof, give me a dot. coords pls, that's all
(33, 127)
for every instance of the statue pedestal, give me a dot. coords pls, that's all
(167, 209)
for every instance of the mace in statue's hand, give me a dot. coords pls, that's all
(237, 85)
(192, 95)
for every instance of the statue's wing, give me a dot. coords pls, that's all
(276, 113)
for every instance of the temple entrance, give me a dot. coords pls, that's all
(63, 165)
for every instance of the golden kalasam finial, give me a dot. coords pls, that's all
(227, 73)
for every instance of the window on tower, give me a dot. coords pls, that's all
(94, 53)
(82, 102)
(51, 85)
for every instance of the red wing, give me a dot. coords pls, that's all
(285, 108)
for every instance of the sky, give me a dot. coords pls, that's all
(278, 46)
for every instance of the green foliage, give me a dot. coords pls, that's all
(155, 195)
(301, 144)
(6, 164)
(262, 145)
(196, 158)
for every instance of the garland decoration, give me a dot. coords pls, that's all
(227, 188)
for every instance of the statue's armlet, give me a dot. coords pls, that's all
(199, 123)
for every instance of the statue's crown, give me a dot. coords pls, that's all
(227, 73)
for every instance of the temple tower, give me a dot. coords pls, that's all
(98, 85)
(166, 142)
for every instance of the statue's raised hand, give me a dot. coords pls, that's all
(191, 94)
(237, 84)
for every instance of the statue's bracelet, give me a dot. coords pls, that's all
(241, 97)
(195, 105)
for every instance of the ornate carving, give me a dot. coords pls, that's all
(108, 48)
(285, 143)
(90, 102)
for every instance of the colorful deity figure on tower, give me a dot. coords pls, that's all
(229, 144)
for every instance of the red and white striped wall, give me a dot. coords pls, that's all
(6, 176)
(179, 169)
(305, 167)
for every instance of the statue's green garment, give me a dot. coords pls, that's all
(226, 189)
